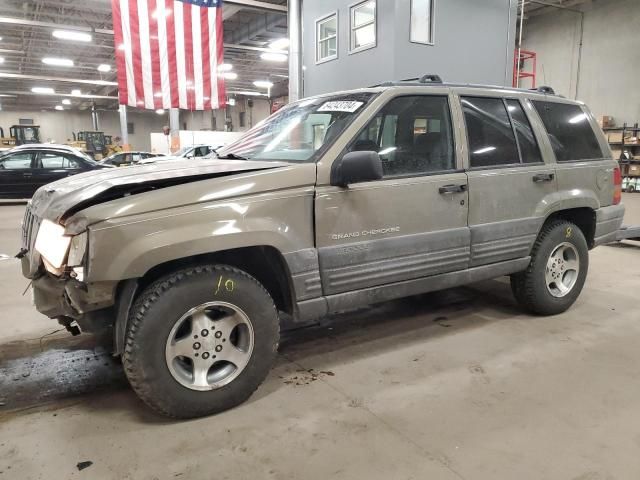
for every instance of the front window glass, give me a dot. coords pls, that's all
(299, 131)
(16, 161)
(412, 135)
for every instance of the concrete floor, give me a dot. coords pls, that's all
(452, 385)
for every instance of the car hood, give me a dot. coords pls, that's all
(63, 198)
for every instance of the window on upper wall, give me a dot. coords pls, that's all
(569, 131)
(421, 29)
(363, 26)
(327, 38)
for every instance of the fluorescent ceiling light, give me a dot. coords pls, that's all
(72, 35)
(225, 67)
(230, 75)
(43, 90)
(59, 107)
(1, 60)
(58, 62)
(263, 84)
(103, 67)
(160, 111)
(279, 44)
(76, 92)
(274, 56)
(66, 101)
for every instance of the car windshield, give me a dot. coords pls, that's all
(299, 131)
(183, 151)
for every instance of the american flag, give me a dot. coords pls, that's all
(168, 53)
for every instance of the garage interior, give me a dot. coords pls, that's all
(453, 384)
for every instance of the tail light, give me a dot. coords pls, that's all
(617, 186)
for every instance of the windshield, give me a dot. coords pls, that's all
(183, 151)
(299, 131)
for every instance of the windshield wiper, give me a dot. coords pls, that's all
(232, 156)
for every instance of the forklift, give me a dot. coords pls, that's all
(19, 135)
(92, 143)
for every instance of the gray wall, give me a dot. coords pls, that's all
(473, 43)
(608, 76)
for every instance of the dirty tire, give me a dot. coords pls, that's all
(530, 287)
(152, 318)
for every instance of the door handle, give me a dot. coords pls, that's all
(543, 177)
(27, 175)
(450, 189)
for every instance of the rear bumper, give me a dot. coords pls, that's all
(608, 221)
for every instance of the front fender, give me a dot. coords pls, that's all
(121, 249)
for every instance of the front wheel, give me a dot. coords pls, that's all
(631, 189)
(554, 279)
(200, 341)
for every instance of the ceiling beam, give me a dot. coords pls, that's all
(256, 5)
(21, 76)
(90, 97)
(36, 23)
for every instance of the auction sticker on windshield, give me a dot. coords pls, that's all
(341, 106)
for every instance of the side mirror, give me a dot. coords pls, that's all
(355, 167)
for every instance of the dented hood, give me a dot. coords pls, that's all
(67, 196)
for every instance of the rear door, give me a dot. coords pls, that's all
(52, 166)
(410, 224)
(509, 182)
(16, 175)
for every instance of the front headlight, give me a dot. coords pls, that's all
(77, 250)
(52, 243)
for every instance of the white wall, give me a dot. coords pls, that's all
(608, 75)
(58, 126)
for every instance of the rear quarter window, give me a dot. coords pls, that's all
(569, 130)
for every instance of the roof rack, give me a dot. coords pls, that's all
(544, 89)
(428, 78)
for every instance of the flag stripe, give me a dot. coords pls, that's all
(168, 53)
(170, 42)
(161, 52)
(206, 64)
(145, 52)
(156, 16)
(197, 57)
(120, 62)
(188, 53)
(220, 55)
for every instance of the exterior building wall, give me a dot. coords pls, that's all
(473, 43)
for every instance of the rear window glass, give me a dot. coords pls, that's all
(491, 138)
(529, 150)
(569, 130)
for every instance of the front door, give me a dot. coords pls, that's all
(410, 224)
(509, 183)
(52, 166)
(16, 175)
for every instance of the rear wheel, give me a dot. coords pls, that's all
(200, 341)
(554, 279)
(631, 189)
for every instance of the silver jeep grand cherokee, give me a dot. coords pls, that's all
(333, 202)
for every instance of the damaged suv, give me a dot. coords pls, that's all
(332, 203)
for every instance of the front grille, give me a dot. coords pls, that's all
(30, 225)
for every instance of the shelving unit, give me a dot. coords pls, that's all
(632, 148)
